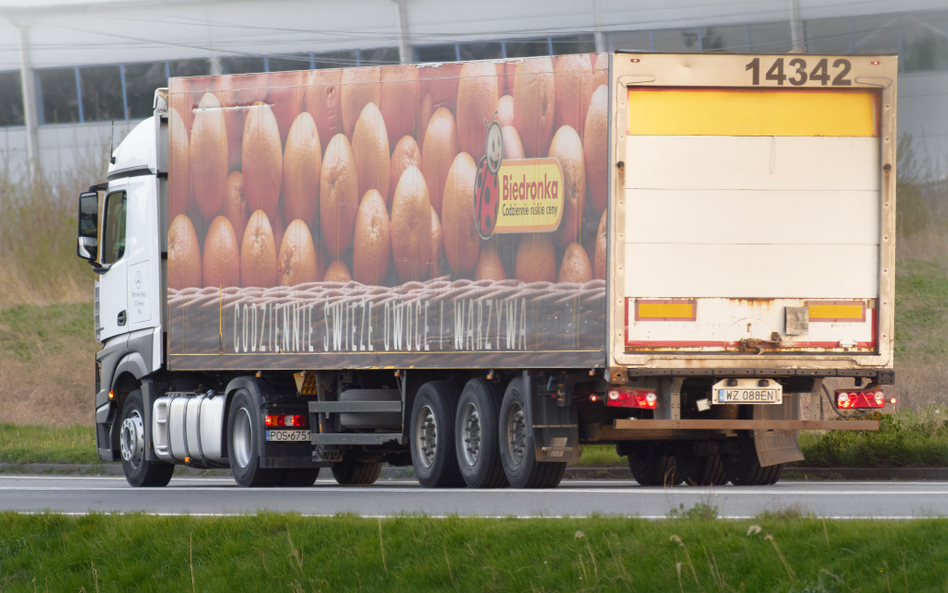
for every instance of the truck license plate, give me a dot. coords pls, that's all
(288, 436)
(749, 396)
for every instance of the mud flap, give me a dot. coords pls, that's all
(777, 446)
(555, 429)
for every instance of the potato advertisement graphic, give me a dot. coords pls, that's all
(403, 216)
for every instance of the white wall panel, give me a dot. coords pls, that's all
(752, 162)
(752, 216)
(751, 271)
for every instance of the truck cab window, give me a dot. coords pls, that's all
(113, 240)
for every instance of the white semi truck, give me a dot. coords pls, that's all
(476, 268)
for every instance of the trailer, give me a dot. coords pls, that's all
(477, 268)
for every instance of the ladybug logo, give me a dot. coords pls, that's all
(486, 188)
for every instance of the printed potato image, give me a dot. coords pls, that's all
(567, 148)
(299, 261)
(600, 257)
(594, 148)
(600, 74)
(262, 161)
(373, 240)
(405, 154)
(235, 206)
(438, 152)
(338, 195)
(208, 152)
(278, 227)
(536, 261)
(302, 162)
(441, 82)
(575, 266)
(411, 226)
(513, 148)
(505, 111)
(534, 97)
(461, 241)
(370, 151)
(239, 91)
(398, 98)
(489, 265)
(221, 262)
(258, 254)
(360, 86)
(510, 69)
(425, 111)
(437, 246)
(337, 272)
(478, 94)
(322, 99)
(286, 98)
(184, 254)
(179, 165)
(571, 79)
(181, 100)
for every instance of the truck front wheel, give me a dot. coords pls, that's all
(516, 446)
(243, 444)
(432, 435)
(138, 470)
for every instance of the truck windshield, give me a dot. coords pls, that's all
(113, 240)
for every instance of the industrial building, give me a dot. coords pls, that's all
(77, 75)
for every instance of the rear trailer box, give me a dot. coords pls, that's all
(394, 216)
(752, 223)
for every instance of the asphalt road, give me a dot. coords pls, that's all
(219, 496)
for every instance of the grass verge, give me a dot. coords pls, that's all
(268, 552)
(46, 444)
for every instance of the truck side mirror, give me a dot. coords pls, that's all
(87, 241)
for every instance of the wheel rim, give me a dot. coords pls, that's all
(471, 434)
(132, 439)
(426, 436)
(243, 437)
(516, 433)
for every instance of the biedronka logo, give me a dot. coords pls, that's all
(516, 195)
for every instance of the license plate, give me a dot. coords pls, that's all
(288, 436)
(749, 396)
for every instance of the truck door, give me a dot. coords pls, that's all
(112, 283)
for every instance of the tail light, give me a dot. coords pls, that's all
(285, 420)
(620, 398)
(859, 400)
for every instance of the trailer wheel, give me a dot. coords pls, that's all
(516, 448)
(432, 435)
(298, 478)
(743, 469)
(701, 471)
(652, 464)
(475, 433)
(356, 473)
(139, 472)
(243, 444)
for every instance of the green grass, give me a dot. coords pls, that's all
(41, 444)
(31, 332)
(287, 552)
(921, 308)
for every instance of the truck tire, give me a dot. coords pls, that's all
(743, 468)
(475, 432)
(298, 478)
(432, 435)
(652, 464)
(139, 472)
(243, 444)
(516, 447)
(701, 471)
(356, 473)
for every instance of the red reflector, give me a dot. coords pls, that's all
(858, 400)
(618, 398)
(285, 420)
(893, 401)
(593, 398)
